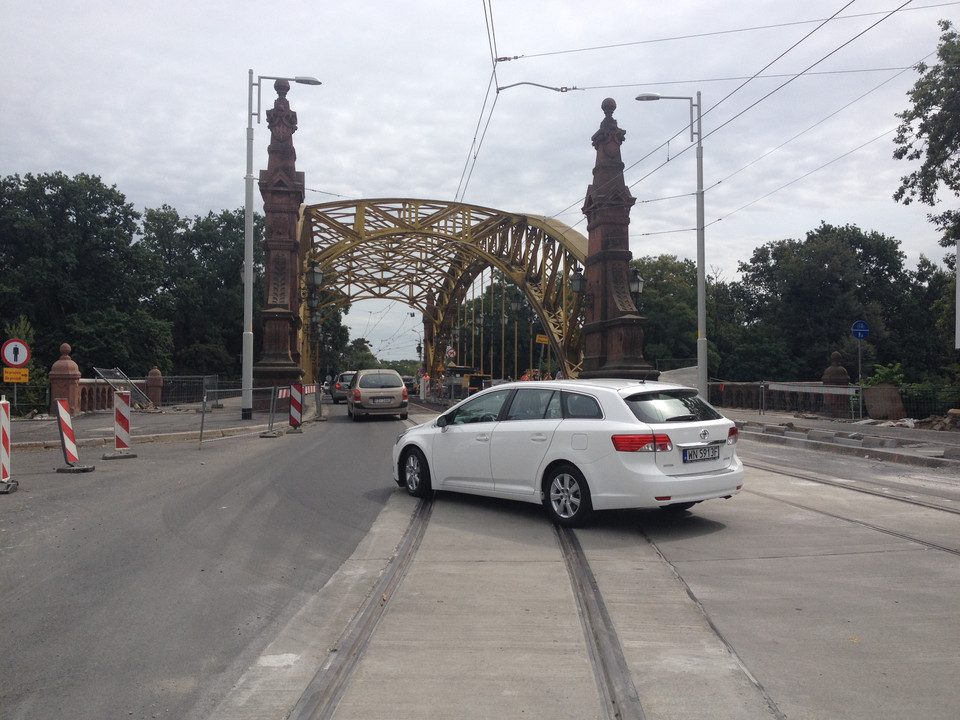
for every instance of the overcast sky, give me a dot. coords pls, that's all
(152, 97)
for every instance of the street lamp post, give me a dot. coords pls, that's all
(696, 129)
(246, 370)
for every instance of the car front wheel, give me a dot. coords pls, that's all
(416, 474)
(566, 497)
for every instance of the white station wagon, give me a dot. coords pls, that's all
(576, 446)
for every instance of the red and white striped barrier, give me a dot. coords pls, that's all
(67, 440)
(7, 483)
(121, 426)
(121, 420)
(296, 406)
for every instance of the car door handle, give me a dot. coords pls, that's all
(539, 437)
(483, 438)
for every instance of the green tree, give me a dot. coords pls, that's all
(669, 302)
(359, 355)
(929, 131)
(70, 262)
(803, 296)
(195, 270)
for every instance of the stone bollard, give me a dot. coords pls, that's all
(65, 382)
(155, 386)
(836, 405)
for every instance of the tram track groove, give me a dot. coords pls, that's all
(621, 700)
(860, 523)
(323, 694)
(769, 467)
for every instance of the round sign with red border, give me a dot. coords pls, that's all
(15, 353)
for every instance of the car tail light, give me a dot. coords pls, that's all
(642, 443)
(733, 435)
(406, 395)
(356, 395)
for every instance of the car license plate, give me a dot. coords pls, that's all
(381, 401)
(710, 452)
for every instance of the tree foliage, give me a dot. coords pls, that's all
(68, 256)
(195, 269)
(929, 132)
(126, 290)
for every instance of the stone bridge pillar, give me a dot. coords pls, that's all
(613, 328)
(282, 189)
(65, 381)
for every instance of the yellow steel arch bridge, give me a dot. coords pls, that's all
(428, 253)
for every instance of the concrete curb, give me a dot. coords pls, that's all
(875, 448)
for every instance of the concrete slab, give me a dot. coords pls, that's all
(484, 625)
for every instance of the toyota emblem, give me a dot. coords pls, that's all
(704, 434)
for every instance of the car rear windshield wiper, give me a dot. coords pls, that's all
(681, 418)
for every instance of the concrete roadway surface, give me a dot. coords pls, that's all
(143, 589)
(196, 586)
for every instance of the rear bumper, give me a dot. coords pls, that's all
(379, 409)
(650, 491)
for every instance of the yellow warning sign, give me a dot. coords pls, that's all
(16, 375)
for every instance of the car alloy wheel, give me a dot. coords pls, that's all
(416, 474)
(567, 497)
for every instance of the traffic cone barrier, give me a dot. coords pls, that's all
(121, 427)
(7, 483)
(68, 441)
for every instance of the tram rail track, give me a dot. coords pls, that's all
(808, 477)
(618, 694)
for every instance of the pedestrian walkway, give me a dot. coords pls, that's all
(892, 442)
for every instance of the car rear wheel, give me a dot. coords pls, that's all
(566, 497)
(416, 474)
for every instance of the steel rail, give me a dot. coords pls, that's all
(325, 691)
(849, 486)
(853, 521)
(614, 681)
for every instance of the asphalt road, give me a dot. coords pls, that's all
(150, 587)
(144, 589)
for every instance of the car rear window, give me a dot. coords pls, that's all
(581, 406)
(380, 380)
(671, 406)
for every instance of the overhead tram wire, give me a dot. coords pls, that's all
(471, 161)
(715, 33)
(756, 75)
(824, 119)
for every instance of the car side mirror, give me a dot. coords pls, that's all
(442, 421)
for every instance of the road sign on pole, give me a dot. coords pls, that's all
(15, 353)
(860, 330)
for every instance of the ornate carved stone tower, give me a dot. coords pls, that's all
(613, 328)
(282, 189)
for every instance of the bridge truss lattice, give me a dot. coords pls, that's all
(428, 254)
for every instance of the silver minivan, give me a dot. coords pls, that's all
(377, 391)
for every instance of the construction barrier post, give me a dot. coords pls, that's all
(278, 393)
(121, 427)
(296, 407)
(7, 483)
(67, 440)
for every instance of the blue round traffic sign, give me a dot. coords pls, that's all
(860, 330)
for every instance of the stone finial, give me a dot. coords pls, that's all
(65, 381)
(836, 374)
(608, 186)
